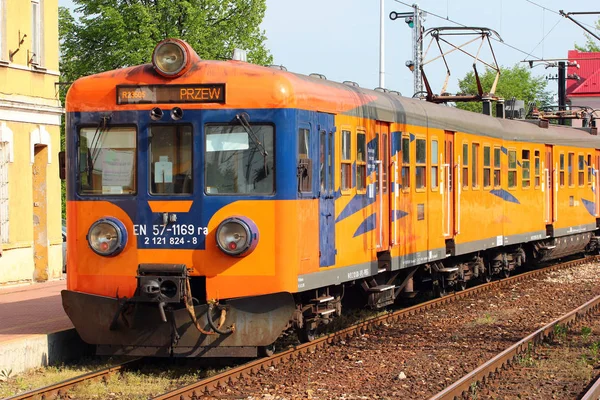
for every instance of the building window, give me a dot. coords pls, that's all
(525, 165)
(512, 168)
(4, 160)
(562, 170)
(475, 165)
(497, 176)
(537, 168)
(405, 163)
(361, 161)
(37, 32)
(3, 56)
(421, 163)
(570, 171)
(434, 164)
(465, 168)
(346, 170)
(581, 170)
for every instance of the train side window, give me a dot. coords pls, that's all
(571, 165)
(486, 167)
(512, 168)
(421, 164)
(562, 170)
(475, 165)
(346, 162)
(581, 169)
(170, 155)
(434, 164)
(386, 162)
(536, 168)
(405, 163)
(497, 169)
(361, 161)
(465, 168)
(526, 166)
(304, 161)
(590, 170)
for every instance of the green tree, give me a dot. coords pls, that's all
(514, 82)
(111, 34)
(591, 44)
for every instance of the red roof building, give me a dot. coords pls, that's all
(584, 92)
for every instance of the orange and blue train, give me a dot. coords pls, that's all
(214, 205)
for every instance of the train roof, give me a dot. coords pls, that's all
(251, 86)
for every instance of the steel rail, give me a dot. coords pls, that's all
(60, 389)
(208, 385)
(594, 392)
(506, 357)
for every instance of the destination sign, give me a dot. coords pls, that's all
(156, 94)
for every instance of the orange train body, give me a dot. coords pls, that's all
(254, 195)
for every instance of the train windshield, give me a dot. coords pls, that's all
(107, 158)
(238, 161)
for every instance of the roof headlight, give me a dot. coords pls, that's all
(107, 237)
(237, 236)
(170, 57)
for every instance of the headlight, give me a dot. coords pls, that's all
(237, 236)
(107, 237)
(170, 58)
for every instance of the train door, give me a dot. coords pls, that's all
(549, 187)
(326, 190)
(448, 188)
(596, 182)
(383, 199)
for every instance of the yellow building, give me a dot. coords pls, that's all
(30, 115)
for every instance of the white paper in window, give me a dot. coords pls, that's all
(163, 170)
(227, 141)
(117, 168)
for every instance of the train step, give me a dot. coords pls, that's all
(322, 299)
(381, 288)
(326, 312)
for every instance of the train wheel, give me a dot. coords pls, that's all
(439, 290)
(462, 285)
(505, 273)
(306, 335)
(266, 351)
(488, 278)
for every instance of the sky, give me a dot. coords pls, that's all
(340, 38)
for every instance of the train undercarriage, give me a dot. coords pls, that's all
(165, 318)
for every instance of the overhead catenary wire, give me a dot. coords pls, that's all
(555, 12)
(465, 26)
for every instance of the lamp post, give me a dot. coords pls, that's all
(414, 21)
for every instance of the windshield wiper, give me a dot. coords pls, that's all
(93, 145)
(243, 119)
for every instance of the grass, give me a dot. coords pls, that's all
(586, 331)
(153, 378)
(487, 319)
(560, 332)
(526, 359)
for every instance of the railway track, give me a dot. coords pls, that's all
(60, 389)
(208, 385)
(506, 357)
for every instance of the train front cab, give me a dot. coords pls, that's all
(180, 215)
